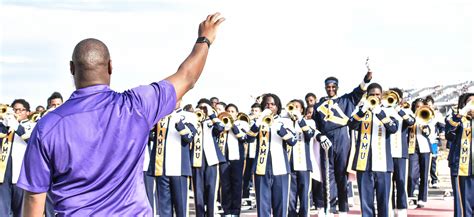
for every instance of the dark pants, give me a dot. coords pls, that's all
(338, 155)
(11, 196)
(317, 190)
(231, 186)
(299, 190)
(247, 178)
(423, 162)
(205, 180)
(399, 197)
(172, 194)
(149, 188)
(433, 172)
(464, 202)
(272, 194)
(368, 182)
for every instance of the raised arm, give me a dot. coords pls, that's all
(190, 70)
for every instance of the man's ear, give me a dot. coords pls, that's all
(110, 67)
(71, 67)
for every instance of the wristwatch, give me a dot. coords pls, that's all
(204, 40)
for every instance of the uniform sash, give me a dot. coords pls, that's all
(161, 134)
(396, 138)
(5, 153)
(412, 140)
(365, 141)
(197, 149)
(379, 148)
(264, 142)
(465, 149)
(222, 141)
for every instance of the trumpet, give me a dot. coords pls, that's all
(268, 120)
(201, 116)
(424, 114)
(406, 105)
(391, 97)
(35, 116)
(373, 101)
(291, 109)
(226, 119)
(243, 117)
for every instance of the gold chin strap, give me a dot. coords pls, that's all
(197, 152)
(161, 132)
(466, 142)
(264, 138)
(5, 153)
(365, 140)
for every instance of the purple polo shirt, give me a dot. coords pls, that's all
(89, 151)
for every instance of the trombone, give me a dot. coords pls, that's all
(291, 109)
(424, 114)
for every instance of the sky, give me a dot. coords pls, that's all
(283, 47)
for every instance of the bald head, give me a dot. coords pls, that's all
(91, 63)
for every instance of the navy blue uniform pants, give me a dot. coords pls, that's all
(272, 194)
(317, 193)
(399, 197)
(299, 190)
(464, 199)
(381, 183)
(205, 181)
(247, 177)
(338, 155)
(422, 160)
(231, 186)
(172, 194)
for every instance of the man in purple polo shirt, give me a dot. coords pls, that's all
(89, 152)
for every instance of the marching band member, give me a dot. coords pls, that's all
(300, 160)
(232, 142)
(373, 160)
(271, 166)
(331, 117)
(205, 160)
(399, 148)
(419, 151)
(255, 111)
(15, 131)
(170, 161)
(436, 128)
(459, 130)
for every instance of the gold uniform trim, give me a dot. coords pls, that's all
(197, 147)
(5, 153)
(264, 138)
(412, 140)
(465, 149)
(365, 140)
(161, 131)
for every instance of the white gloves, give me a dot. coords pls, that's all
(377, 109)
(366, 106)
(466, 109)
(11, 121)
(325, 142)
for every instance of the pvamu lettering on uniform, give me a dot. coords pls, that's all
(263, 148)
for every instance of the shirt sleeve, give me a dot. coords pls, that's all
(35, 175)
(155, 100)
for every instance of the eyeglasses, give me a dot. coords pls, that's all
(19, 110)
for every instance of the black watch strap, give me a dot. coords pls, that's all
(204, 40)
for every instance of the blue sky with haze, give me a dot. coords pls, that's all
(284, 47)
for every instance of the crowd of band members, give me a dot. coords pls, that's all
(284, 154)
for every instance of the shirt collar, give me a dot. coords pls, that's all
(86, 91)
